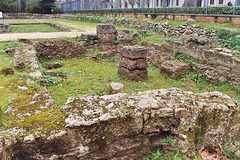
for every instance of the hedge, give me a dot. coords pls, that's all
(180, 10)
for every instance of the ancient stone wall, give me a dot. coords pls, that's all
(30, 16)
(120, 126)
(215, 19)
(218, 64)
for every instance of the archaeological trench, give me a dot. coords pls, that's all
(120, 125)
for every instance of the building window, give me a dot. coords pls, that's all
(220, 1)
(177, 2)
(211, 1)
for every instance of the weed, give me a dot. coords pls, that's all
(210, 30)
(163, 154)
(50, 80)
(196, 77)
(169, 140)
(98, 56)
(235, 43)
(115, 42)
(231, 151)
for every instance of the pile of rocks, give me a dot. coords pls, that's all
(133, 63)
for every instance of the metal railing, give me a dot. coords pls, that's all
(226, 7)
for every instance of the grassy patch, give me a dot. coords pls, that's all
(154, 38)
(36, 118)
(82, 26)
(90, 77)
(217, 26)
(33, 28)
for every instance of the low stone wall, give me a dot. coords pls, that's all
(215, 19)
(126, 126)
(60, 48)
(161, 28)
(30, 16)
(218, 64)
(61, 27)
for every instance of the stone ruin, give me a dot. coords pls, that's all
(25, 59)
(119, 126)
(4, 28)
(133, 63)
(216, 64)
(174, 69)
(107, 32)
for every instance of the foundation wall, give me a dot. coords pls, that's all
(215, 19)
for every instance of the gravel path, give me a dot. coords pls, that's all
(37, 35)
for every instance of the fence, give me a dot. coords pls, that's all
(153, 6)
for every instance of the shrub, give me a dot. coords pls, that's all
(9, 6)
(56, 10)
(235, 43)
(33, 6)
(224, 34)
(190, 10)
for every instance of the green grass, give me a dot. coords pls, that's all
(154, 38)
(8, 84)
(82, 26)
(85, 76)
(33, 28)
(42, 119)
(217, 26)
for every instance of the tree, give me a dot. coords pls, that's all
(33, 6)
(42, 6)
(47, 5)
(8, 6)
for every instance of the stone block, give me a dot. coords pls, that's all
(4, 28)
(119, 32)
(174, 68)
(134, 75)
(125, 35)
(107, 37)
(106, 29)
(134, 52)
(116, 87)
(89, 36)
(133, 64)
(125, 38)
